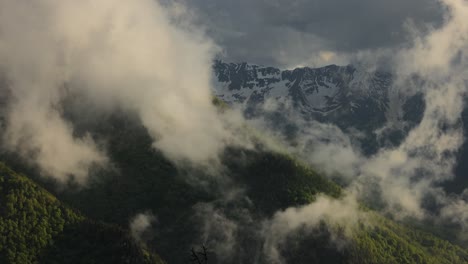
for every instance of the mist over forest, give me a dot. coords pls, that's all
(173, 131)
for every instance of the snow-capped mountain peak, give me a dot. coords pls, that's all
(322, 90)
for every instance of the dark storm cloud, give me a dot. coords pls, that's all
(288, 32)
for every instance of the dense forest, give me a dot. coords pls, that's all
(251, 132)
(90, 224)
(35, 227)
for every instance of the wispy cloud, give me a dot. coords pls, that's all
(140, 56)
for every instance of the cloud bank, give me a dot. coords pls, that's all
(403, 180)
(331, 211)
(146, 58)
(140, 56)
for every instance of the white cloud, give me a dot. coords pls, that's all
(141, 224)
(137, 55)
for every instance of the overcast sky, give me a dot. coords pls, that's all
(296, 32)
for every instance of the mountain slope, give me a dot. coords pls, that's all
(268, 181)
(352, 98)
(37, 228)
(224, 211)
(315, 91)
(389, 242)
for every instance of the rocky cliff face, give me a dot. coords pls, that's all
(347, 96)
(322, 90)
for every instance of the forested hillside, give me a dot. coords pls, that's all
(143, 180)
(38, 227)
(35, 227)
(247, 188)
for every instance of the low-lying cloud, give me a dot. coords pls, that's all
(401, 180)
(140, 226)
(146, 58)
(343, 212)
(139, 56)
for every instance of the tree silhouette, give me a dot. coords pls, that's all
(199, 257)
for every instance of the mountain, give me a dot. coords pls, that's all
(346, 96)
(223, 208)
(315, 91)
(370, 106)
(226, 213)
(35, 227)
